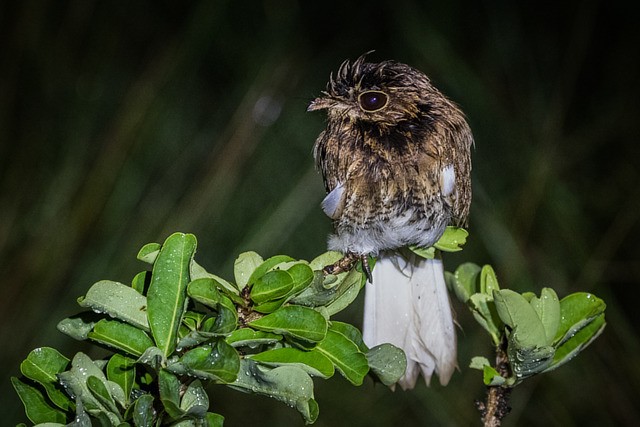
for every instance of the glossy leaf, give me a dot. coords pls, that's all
(484, 311)
(297, 322)
(488, 280)
(167, 291)
(302, 276)
(271, 286)
(122, 371)
(149, 252)
(169, 388)
(195, 401)
(464, 281)
(198, 272)
(214, 420)
(266, 266)
(516, 312)
(345, 355)
(79, 326)
(547, 307)
(452, 239)
(387, 362)
(351, 332)
(42, 365)
(140, 282)
(288, 384)
(313, 362)
(324, 260)
(144, 414)
(121, 336)
(35, 406)
(247, 337)
(100, 392)
(218, 361)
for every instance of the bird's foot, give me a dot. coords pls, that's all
(347, 262)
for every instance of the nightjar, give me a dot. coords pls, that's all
(395, 158)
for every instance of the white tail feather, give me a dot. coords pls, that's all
(408, 306)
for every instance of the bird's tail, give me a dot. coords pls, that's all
(408, 306)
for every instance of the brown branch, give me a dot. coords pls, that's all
(496, 407)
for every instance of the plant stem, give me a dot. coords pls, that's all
(496, 406)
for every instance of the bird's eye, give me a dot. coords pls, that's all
(373, 100)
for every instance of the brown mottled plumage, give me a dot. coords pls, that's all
(395, 158)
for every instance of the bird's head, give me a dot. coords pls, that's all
(385, 94)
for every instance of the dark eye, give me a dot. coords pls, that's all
(373, 100)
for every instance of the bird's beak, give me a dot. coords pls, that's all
(320, 104)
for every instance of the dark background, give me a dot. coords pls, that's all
(121, 122)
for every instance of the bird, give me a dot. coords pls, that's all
(395, 158)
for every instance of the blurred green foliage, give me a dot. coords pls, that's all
(121, 122)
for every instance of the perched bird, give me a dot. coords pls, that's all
(395, 158)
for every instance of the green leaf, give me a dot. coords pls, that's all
(428, 253)
(141, 282)
(582, 321)
(149, 252)
(527, 361)
(351, 332)
(79, 326)
(75, 382)
(204, 291)
(144, 414)
(167, 291)
(269, 306)
(121, 336)
(302, 276)
(484, 311)
(195, 401)
(465, 281)
(244, 266)
(479, 362)
(266, 266)
(270, 286)
(387, 362)
(547, 307)
(35, 406)
(348, 292)
(217, 361)
(169, 387)
(515, 311)
(42, 365)
(122, 371)
(491, 377)
(198, 272)
(288, 384)
(214, 420)
(345, 355)
(577, 310)
(488, 280)
(294, 321)
(312, 362)
(325, 259)
(247, 337)
(452, 239)
(99, 390)
(119, 301)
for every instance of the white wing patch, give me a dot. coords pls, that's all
(448, 180)
(332, 202)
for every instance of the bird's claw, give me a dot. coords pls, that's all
(347, 262)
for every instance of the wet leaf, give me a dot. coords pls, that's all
(313, 362)
(295, 321)
(122, 371)
(247, 337)
(288, 384)
(387, 362)
(547, 307)
(167, 291)
(464, 282)
(198, 272)
(79, 326)
(266, 266)
(149, 252)
(452, 239)
(119, 301)
(144, 414)
(516, 312)
(217, 361)
(121, 336)
(169, 388)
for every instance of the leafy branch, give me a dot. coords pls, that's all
(177, 329)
